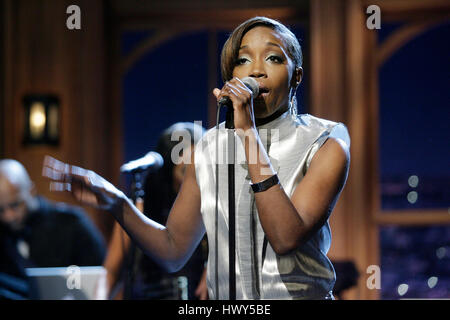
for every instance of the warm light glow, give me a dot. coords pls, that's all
(37, 120)
(53, 121)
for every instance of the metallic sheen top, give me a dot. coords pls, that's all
(306, 273)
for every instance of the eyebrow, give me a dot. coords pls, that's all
(267, 43)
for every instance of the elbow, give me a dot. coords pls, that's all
(285, 247)
(169, 264)
(173, 266)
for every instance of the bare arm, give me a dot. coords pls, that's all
(174, 243)
(289, 222)
(170, 245)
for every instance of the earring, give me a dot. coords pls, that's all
(293, 107)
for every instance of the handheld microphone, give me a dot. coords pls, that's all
(226, 101)
(151, 161)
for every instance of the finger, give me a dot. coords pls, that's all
(60, 187)
(216, 93)
(240, 89)
(57, 165)
(243, 88)
(238, 97)
(49, 161)
(50, 167)
(241, 84)
(229, 91)
(64, 168)
(79, 172)
(56, 175)
(51, 173)
(55, 169)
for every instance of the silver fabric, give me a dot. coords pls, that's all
(306, 273)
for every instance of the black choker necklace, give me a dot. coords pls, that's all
(273, 116)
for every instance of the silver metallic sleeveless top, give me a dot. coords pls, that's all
(306, 273)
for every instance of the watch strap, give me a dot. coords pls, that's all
(266, 184)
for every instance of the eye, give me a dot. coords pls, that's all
(241, 60)
(15, 205)
(275, 58)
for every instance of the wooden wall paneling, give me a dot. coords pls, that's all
(362, 184)
(220, 18)
(419, 217)
(5, 70)
(327, 93)
(342, 89)
(44, 56)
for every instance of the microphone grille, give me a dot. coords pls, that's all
(252, 84)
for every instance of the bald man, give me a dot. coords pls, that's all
(37, 233)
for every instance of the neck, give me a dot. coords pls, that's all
(273, 116)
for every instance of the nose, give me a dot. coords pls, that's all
(258, 70)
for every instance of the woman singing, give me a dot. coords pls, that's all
(293, 170)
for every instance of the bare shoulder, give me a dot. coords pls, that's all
(317, 192)
(334, 149)
(332, 159)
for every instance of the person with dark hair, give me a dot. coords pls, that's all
(144, 278)
(161, 189)
(291, 169)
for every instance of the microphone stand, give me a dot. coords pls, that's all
(137, 195)
(231, 142)
(251, 84)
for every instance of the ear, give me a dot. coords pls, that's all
(32, 201)
(33, 191)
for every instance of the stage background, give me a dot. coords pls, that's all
(136, 67)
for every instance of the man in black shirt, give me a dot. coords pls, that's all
(37, 233)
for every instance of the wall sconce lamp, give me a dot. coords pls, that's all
(42, 113)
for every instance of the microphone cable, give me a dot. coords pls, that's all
(216, 218)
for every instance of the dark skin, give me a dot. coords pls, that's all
(287, 222)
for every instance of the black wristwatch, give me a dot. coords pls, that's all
(266, 184)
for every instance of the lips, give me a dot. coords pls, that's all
(263, 91)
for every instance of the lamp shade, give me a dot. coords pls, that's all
(42, 119)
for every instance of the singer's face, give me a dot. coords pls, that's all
(263, 56)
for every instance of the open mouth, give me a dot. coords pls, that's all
(263, 92)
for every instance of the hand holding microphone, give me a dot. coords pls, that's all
(238, 94)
